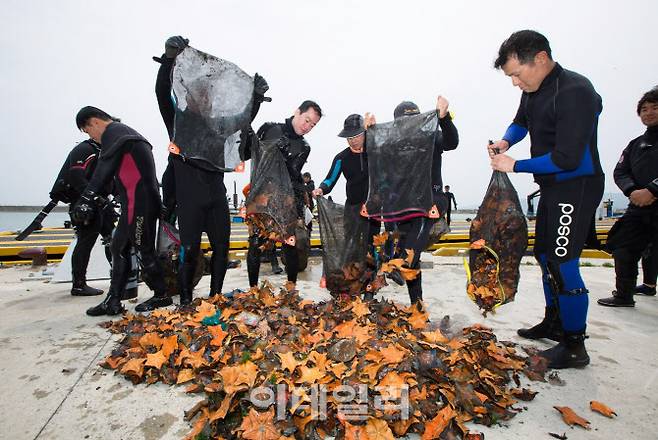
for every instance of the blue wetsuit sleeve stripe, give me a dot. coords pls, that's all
(515, 133)
(537, 165)
(332, 177)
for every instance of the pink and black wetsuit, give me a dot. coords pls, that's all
(126, 157)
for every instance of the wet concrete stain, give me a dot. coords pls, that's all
(33, 378)
(40, 394)
(5, 341)
(122, 394)
(27, 300)
(155, 427)
(82, 345)
(115, 387)
(609, 360)
(98, 375)
(603, 324)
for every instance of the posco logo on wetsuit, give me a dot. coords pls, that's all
(138, 230)
(563, 231)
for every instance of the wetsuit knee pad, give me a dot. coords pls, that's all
(567, 277)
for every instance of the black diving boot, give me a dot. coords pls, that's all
(549, 328)
(80, 288)
(569, 353)
(276, 269)
(622, 297)
(643, 289)
(415, 289)
(185, 283)
(155, 302)
(111, 306)
(185, 297)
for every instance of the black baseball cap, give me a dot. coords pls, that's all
(405, 108)
(353, 126)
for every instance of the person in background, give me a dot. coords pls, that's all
(309, 187)
(71, 182)
(636, 175)
(451, 200)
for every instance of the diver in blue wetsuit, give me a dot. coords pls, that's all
(559, 109)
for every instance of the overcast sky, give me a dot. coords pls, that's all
(350, 57)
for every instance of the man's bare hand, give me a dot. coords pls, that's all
(642, 197)
(369, 120)
(442, 106)
(317, 192)
(498, 147)
(503, 162)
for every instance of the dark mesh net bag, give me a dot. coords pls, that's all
(213, 99)
(271, 209)
(344, 235)
(400, 167)
(499, 237)
(167, 250)
(439, 229)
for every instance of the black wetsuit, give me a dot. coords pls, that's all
(201, 206)
(415, 233)
(451, 200)
(126, 157)
(199, 197)
(310, 203)
(637, 230)
(168, 112)
(308, 189)
(562, 118)
(71, 182)
(354, 166)
(295, 151)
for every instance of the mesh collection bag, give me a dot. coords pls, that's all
(213, 99)
(439, 229)
(400, 168)
(167, 250)
(271, 209)
(499, 238)
(344, 235)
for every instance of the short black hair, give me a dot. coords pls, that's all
(306, 174)
(310, 104)
(651, 96)
(523, 45)
(88, 112)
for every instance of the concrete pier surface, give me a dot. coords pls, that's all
(53, 388)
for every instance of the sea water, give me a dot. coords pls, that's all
(17, 221)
